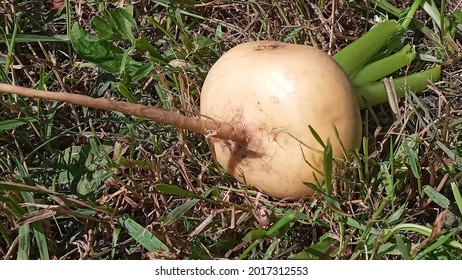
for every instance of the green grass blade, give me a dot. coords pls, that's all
(412, 160)
(142, 235)
(375, 93)
(317, 251)
(436, 197)
(328, 168)
(11, 43)
(437, 244)
(41, 240)
(433, 12)
(316, 136)
(115, 237)
(457, 196)
(254, 234)
(179, 212)
(24, 242)
(249, 249)
(33, 38)
(259, 234)
(285, 220)
(383, 67)
(358, 53)
(37, 228)
(329, 199)
(11, 124)
(125, 92)
(169, 35)
(385, 5)
(402, 247)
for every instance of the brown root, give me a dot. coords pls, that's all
(206, 127)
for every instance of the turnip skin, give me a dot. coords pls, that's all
(276, 90)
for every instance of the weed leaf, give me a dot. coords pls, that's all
(103, 53)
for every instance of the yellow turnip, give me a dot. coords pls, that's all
(275, 91)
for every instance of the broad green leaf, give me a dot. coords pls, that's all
(115, 24)
(103, 29)
(109, 57)
(91, 181)
(457, 16)
(84, 168)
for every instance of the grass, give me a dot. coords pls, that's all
(77, 183)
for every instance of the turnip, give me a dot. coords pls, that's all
(262, 104)
(276, 91)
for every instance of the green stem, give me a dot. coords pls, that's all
(10, 44)
(410, 14)
(383, 67)
(375, 93)
(355, 55)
